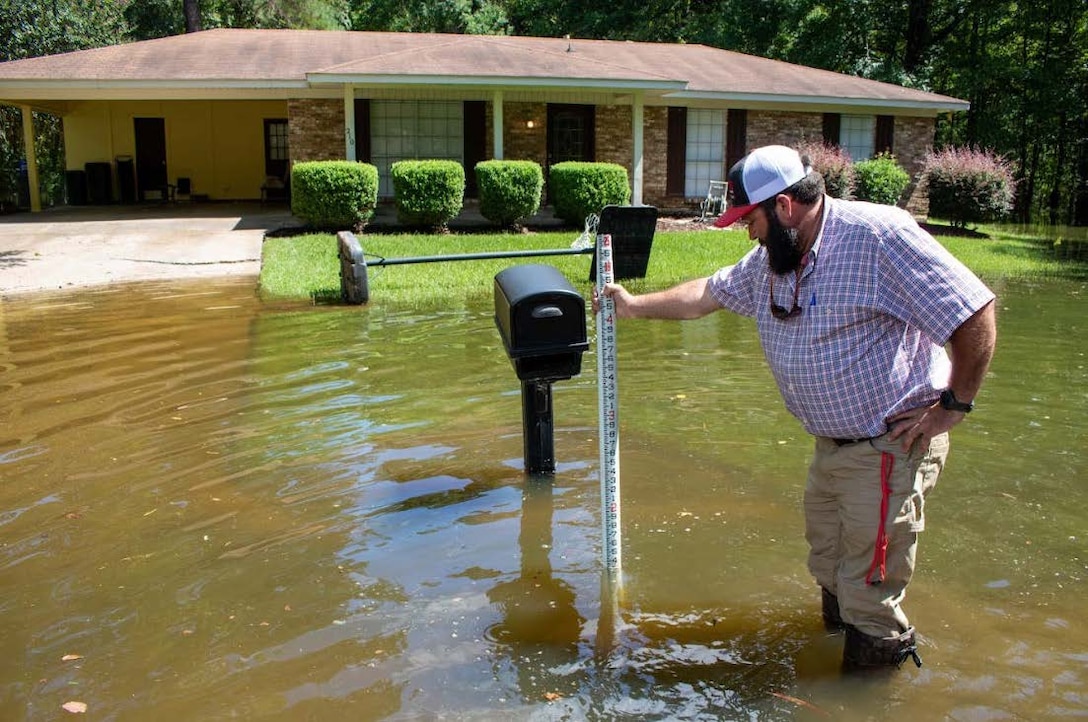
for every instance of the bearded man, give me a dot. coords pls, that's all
(854, 304)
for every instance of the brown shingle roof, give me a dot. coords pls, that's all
(296, 58)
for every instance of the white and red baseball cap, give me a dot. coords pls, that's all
(762, 174)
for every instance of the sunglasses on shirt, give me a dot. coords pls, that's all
(782, 313)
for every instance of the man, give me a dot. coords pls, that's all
(854, 304)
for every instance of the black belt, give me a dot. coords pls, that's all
(848, 442)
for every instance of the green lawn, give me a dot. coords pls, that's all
(307, 267)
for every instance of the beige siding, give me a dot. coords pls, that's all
(219, 145)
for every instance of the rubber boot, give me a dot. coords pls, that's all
(862, 653)
(832, 619)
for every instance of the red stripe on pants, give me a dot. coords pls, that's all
(880, 552)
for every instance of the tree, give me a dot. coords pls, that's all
(476, 17)
(36, 27)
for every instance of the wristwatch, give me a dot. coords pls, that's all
(951, 403)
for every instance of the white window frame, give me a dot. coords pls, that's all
(704, 152)
(857, 136)
(411, 130)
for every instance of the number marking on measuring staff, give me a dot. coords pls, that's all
(609, 412)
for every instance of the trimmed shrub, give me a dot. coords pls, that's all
(334, 194)
(968, 185)
(881, 179)
(834, 164)
(579, 189)
(428, 192)
(509, 189)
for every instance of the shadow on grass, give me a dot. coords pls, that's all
(1070, 253)
(940, 229)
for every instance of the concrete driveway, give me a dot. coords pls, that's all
(79, 246)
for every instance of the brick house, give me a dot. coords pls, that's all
(219, 113)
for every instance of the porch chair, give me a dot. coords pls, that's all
(714, 203)
(275, 188)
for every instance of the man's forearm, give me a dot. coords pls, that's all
(972, 347)
(688, 300)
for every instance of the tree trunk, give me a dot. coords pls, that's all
(919, 34)
(1054, 202)
(192, 16)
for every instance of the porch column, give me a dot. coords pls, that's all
(496, 124)
(31, 159)
(636, 135)
(349, 122)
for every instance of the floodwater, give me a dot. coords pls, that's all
(212, 509)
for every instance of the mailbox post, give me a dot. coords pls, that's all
(542, 321)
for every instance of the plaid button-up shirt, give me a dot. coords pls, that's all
(881, 298)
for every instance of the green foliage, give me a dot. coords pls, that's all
(11, 152)
(31, 28)
(473, 17)
(334, 194)
(149, 19)
(509, 189)
(834, 165)
(579, 189)
(881, 179)
(159, 18)
(967, 185)
(428, 192)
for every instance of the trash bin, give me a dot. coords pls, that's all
(99, 183)
(76, 187)
(126, 178)
(22, 190)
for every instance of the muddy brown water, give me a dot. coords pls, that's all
(214, 509)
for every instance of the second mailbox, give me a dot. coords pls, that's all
(542, 321)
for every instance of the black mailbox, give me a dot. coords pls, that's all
(542, 321)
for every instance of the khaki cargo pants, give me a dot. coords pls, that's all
(864, 508)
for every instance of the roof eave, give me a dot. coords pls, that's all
(103, 84)
(774, 99)
(495, 81)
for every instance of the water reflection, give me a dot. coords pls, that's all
(215, 509)
(540, 627)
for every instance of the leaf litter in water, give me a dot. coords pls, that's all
(74, 707)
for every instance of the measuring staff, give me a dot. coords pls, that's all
(609, 413)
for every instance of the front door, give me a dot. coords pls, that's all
(570, 133)
(150, 156)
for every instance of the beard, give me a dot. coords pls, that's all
(783, 246)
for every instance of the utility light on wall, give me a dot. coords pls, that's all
(530, 124)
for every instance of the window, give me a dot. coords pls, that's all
(857, 134)
(703, 160)
(411, 129)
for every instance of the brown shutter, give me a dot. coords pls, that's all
(736, 137)
(885, 133)
(832, 122)
(676, 152)
(362, 130)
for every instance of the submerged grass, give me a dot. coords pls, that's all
(307, 266)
